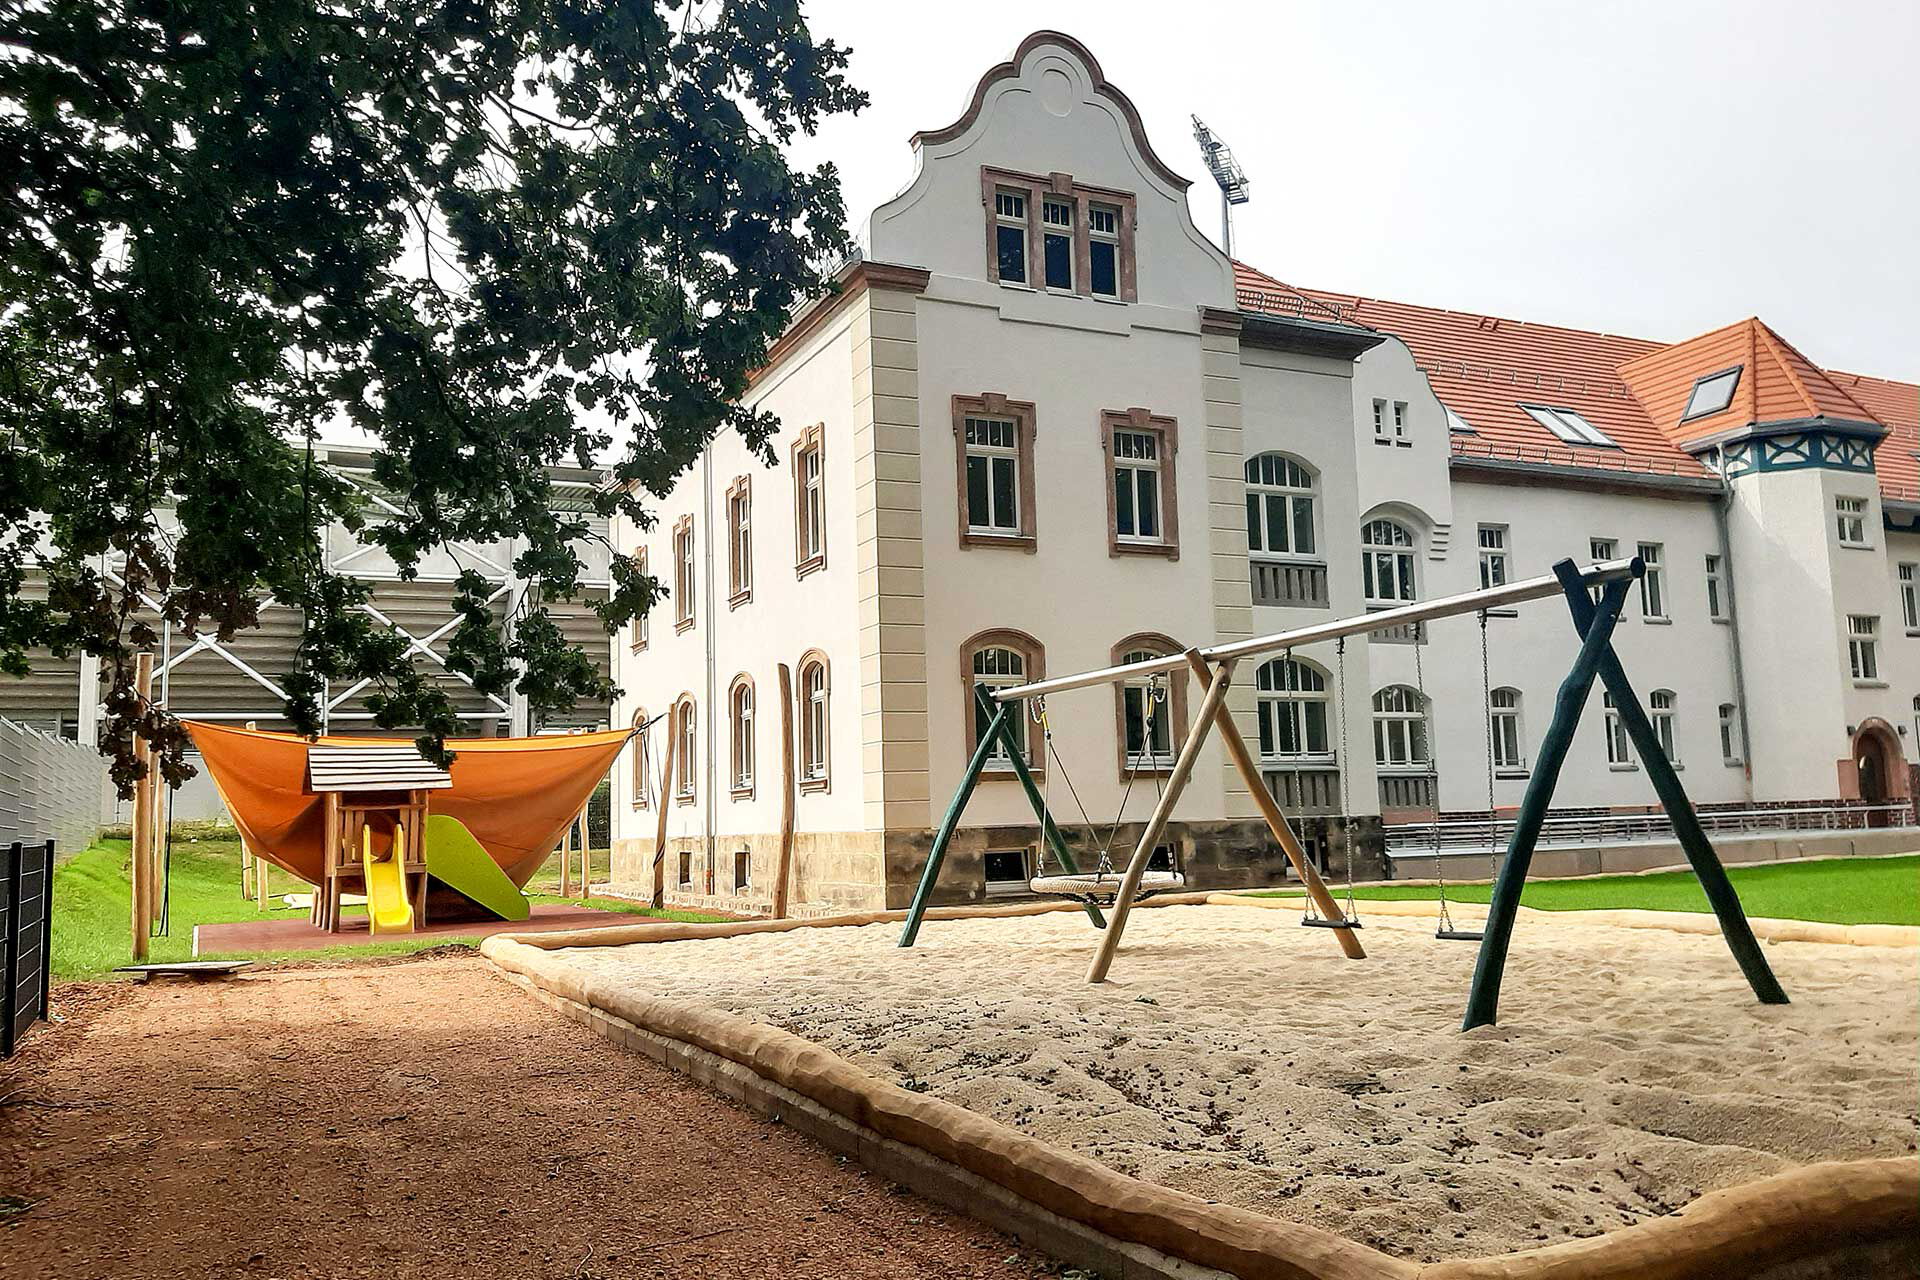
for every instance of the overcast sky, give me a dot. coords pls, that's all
(1654, 169)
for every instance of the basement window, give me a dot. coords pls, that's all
(1007, 871)
(1568, 425)
(1712, 393)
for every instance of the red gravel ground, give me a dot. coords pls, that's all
(416, 1119)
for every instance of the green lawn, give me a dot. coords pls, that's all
(1837, 890)
(92, 896)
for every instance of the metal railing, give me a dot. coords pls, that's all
(1274, 302)
(1300, 584)
(1477, 834)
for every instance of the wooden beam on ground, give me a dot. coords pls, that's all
(1277, 824)
(783, 871)
(1162, 814)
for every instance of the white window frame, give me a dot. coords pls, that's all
(686, 726)
(998, 888)
(1661, 704)
(1276, 478)
(1402, 736)
(1140, 472)
(1400, 425)
(1909, 577)
(685, 571)
(813, 722)
(975, 431)
(1108, 234)
(1568, 426)
(1134, 694)
(1732, 751)
(740, 722)
(1495, 566)
(1716, 580)
(1380, 552)
(1504, 726)
(813, 502)
(1010, 210)
(740, 540)
(986, 671)
(1051, 230)
(1619, 745)
(1863, 648)
(1850, 521)
(1288, 692)
(1653, 584)
(1380, 423)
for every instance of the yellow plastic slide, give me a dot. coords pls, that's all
(388, 910)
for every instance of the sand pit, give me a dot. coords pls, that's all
(1237, 1057)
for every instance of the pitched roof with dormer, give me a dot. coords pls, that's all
(1488, 370)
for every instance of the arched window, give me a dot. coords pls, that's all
(1663, 702)
(1292, 711)
(685, 770)
(740, 734)
(1280, 497)
(814, 737)
(1503, 725)
(1400, 729)
(1151, 710)
(1386, 562)
(999, 660)
(642, 761)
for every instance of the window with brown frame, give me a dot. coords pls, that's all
(642, 761)
(815, 721)
(739, 541)
(683, 573)
(810, 500)
(993, 470)
(1143, 516)
(1150, 711)
(642, 629)
(1055, 235)
(1000, 659)
(740, 736)
(686, 771)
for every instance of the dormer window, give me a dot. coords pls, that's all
(1568, 425)
(1103, 250)
(1082, 237)
(1010, 235)
(1712, 393)
(1056, 243)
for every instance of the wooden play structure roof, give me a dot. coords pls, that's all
(372, 768)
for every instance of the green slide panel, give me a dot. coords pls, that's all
(457, 860)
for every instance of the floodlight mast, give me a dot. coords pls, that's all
(1227, 173)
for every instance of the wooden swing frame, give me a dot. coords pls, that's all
(1593, 621)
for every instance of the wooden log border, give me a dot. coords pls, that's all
(1850, 1213)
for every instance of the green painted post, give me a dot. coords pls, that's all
(1679, 807)
(1049, 831)
(944, 836)
(1483, 1002)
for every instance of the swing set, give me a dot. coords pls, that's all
(1594, 596)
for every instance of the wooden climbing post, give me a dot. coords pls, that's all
(1277, 824)
(1049, 830)
(917, 910)
(783, 872)
(144, 794)
(1483, 1001)
(1162, 814)
(1674, 799)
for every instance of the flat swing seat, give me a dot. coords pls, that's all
(1321, 922)
(1102, 887)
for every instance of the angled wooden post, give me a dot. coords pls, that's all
(1483, 1001)
(1049, 830)
(1673, 797)
(660, 794)
(917, 910)
(143, 827)
(1277, 824)
(1162, 813)
(783, 872)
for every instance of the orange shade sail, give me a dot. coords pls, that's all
(516, 795)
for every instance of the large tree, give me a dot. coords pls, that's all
(493, 235)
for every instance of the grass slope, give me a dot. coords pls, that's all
(92, 906)
(1836, 890)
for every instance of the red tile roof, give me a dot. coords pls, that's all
(1633, 389)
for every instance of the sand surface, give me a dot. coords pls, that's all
(1239, 1057)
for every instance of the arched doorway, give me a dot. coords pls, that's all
(1880, 767)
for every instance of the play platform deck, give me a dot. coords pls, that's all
(296, 933)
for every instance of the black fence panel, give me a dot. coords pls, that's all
(26, 938)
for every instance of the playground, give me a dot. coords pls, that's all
(1241, 1059)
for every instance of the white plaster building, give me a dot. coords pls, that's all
(1047, 424)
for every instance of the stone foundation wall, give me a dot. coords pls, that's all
(833, 871)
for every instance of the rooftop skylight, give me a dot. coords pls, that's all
(1569, 426)
(1458, 425)
(1712, 393)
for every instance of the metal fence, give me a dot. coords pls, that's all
(50, 788)
(26, 935)
(1480, 833)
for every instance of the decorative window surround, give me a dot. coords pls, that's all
(683, 573)
(814, 691)
(642, 755)
(1174, 708)
(1059, 188)
(1032, 657)
(740, 737)
(993, 406)
(739, 541)
(1167, 432)
(686, 771)
(642, 625)
(810, 500)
